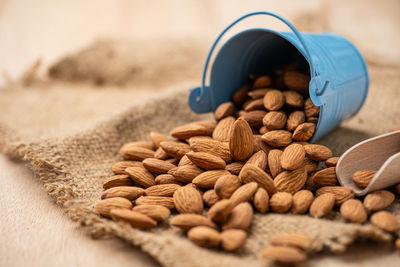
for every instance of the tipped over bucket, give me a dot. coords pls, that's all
(339, 76)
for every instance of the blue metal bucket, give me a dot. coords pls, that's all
(339, 76)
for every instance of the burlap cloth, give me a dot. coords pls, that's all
(71, 133)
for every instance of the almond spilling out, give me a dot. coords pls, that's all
(209, 178)
(204, 236)
(277, 138)
(206, 161)
(284, 255)
(302, 201)
(362, 178)
(223, 110)
(241, 140)
(378, 200)
(325, 177)
(385, 220)
(128, 192)
(119, 167)
(156, 212)
(233, 239)
(244, 193)
(341, 193)
(187, 199)
(299, 241)
(187, 221)
(275, 120)
(226, 185)
(136, 219)
(291, 181)
(240, 217)
(261, 200)
(281, 202)
(106, 205)
(117, 180)
(274, 162)
(134, 152)
(292, 157)
(322, 205)
(157, 166)
(141, 176)
(353, 211)
(252, 173)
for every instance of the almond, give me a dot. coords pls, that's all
(223, 130)
(260, 145)
(211, 146)
(295, 119)
(385, 221)
(258, 94)
(296, 81)
(206, 161)
(106, 205)
(175, 148)
(167, 202)
(220, 210)
(362, 178)
(291, 181)
(240, 217)
(353, 211)
(119, 167)
(274, 162)
(331, 162)
(155, 212)
(261, 200)
(141, 176)
(254, 118)
(304, 131)
(263, 130)
(240, 95)
(274, 100)
(322, 205)
(284, 255)
(133, 152)
(233, 239)
(317, 152)
(378, 200)
(277, 138)
(275, 120)
(224, 110)
(325, 177)
(293, 157)
(117, 180)
(251, 173)
(162, 190)
(257, 104)
(234, 167)
(293, 99)
(210, 197)
(157, 166)
(143, 144)
(128, 192)
(209, 178)
(241, 142)
(341, 193)
(187, 221)
(187, 199)
(244, 193)
(185, 173)
(161, 154)
(310, 165)
(135, 219)
(310, 109)
(188, 130)
(302, 201)
(166, 179)
(281, 202)
(299, 241)
(312, 119)
(259, 159)
(226, 185)
(262, 81)
(204, 236)
(185, 161)
(157, 138)
(209, 125)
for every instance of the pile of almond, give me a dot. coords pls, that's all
(212, 176)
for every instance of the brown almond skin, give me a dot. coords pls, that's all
(161, 154)
(362, 178)
(162, 190)
(317, 152)
(322, 205)
(385, 221)
(244, 193)
(128, 192)
(277, 138)
(252, 173)
(188, 220)
(325, 177)
(299, 241)
(260, 145)
(241, 140)
(223, 130)
(156, 212)
(209, 178)
(206, 160)
(284, 255)
(341, 193)
(119, 167)
(233, 239)
(187, 199)
(275, 120)
(175, 149)
(293, 157)
(188, 130)
(262, 82)
(210, 197)
(167, 202)
(141, 176)
(135, 219)
(166, 179)
(223, 110)
(117, 180)
(157, 138)
(274, 162)
(310, 165)
(293, 99)
(304, 131)
(310, 109)
(378, 200)
(291, 181)
(274, 100)
(258, 94)
(204, 236)
(331, 162)
(143, 144)
(105, 206)
(234, 167)
(241, 94)
(157, 166)
(215, 147)
(257, 104)
(353, 211)
(297, 81)
(240, 217)
(226, 185)
(261, 200)
(254, 118)
(259, 159)
(185, 173)
(220, 210)
(281, 202)
(132, 152)
(295, 119)
(302, 201)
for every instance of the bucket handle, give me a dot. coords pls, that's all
(199, 98)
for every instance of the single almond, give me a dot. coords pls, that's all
(133, 152)
(187, 221)
(226, 185)
(292, 157)
(220, 210)
(310, 109)
(157, 138)
(260, 145)
(302, 201)
(185, 173)
(259, 159)
(257, 104)
(252, 173)
(157, 166)
(241, 94)
(325, 177)
(240, 217)
(224, 110)
(135, 219)
(304, 131)
(143, 144)
(297, 81)
(293, 99)
(119, 167)
(117, 180)
(185, 161)
(162, 190)
(175, 148)
(210, 197)
(233, 239)
(275, 120)
(295, 119)
(261, 200)
(284, 254)
(274, 162)
(244, 193)
(209, 125)
(353, 211)
(362, 178)
(166, 179)
(223, 129)
(277, 138)
(141, 176)
(234, 167)
(317, 152)
(187, 199)
(331, 162)
(188, 130)
(258, 94)
(322, 205)
(206, 161)
(312, 119)
(128, 192)
(209, 178)
(167, 202)
(215, 147)
(104, 206)
(385, 221)
(341, 193)
(204, 236)
(378, 200)
(291, 181)
(310, 165)
(161, 154)
(156, 212)
(262, 82)
(299, 241)
(274, 100)
(241, 142)
(281, 202)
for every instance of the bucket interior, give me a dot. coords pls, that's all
(254, 51)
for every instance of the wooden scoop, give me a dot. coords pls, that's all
(380, 153)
